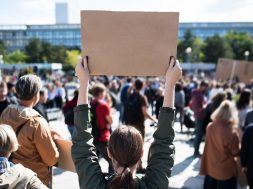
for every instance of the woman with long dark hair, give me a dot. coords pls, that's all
(125, 146)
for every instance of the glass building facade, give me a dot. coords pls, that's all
(16, 37)
(204, 30)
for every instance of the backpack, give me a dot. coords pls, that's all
(69, 116)
(95, 131)
(133, 111)
(189, 120)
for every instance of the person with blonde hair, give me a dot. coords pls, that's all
(14, 176)
(221, 147)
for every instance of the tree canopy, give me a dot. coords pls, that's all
(232, 45)
(190, 49)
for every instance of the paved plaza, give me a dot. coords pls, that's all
(185, 170)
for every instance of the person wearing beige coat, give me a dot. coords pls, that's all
(221, 147)
(37, 150)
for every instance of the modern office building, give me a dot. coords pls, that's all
(205, 29)
(61, 13)
(16, 37)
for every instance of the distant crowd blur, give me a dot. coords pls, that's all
(220, 111)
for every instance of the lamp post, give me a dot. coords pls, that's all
(1, 62)
(246, 54)
(188, 51)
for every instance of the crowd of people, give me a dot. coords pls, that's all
(222, 111)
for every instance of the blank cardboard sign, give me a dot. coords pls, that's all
(129, 43)
(227, 68)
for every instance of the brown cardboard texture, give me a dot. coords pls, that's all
(129, 43)
(228, 68)
(65, 159)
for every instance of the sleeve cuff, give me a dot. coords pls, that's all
(81, 107)
(168, 109)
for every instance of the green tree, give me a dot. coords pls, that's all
(216, 47)
(34, 51)
(194, 46)
(72, 57)
(197, 55)
(240, 42)
(46, 51)
(2, 48)
(15, 57)
(38, 51)
(57, 54)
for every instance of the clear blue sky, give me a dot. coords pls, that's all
(42, 11)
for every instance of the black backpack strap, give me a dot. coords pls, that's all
(20, 127)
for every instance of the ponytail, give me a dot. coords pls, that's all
(123, 180)
(125, 148)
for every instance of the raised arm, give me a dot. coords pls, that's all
(83, 75)
(83, 151)
(161, 157)
(173, 74)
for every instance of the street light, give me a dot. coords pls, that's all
(1, 62)
(188, 51)
(246, 54)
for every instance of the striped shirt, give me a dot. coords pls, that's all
(4, 164)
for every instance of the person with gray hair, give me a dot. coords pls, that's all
(37, 150)
(28, 87)
(14, 176)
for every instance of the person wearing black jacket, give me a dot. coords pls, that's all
(249, 118)
(40, 106)
(4, 99)
(247, 154)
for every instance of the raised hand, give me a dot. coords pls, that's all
(82, 71)
(174, 72)
(83, 75)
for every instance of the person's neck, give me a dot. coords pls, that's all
(25, 103)
(133, 171)
(3, 99)
(137, 90)
(98, 98)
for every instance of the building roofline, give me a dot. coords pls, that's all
(41, 26)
